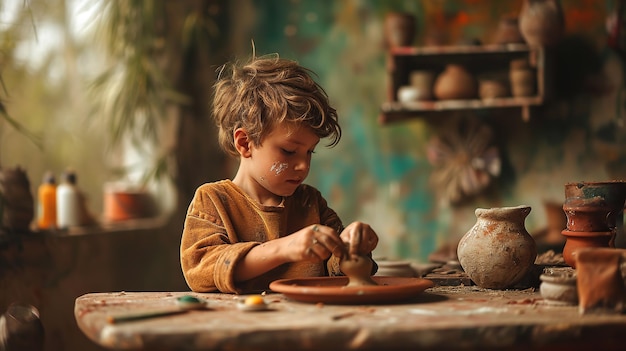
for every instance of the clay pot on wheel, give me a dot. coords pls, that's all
(497, 251)
(455, 83)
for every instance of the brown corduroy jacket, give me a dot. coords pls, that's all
(223, 224)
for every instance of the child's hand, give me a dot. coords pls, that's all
(360, 237)
(315, 243)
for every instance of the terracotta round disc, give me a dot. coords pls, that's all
(334, 290)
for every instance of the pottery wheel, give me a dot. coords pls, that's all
(334, 290)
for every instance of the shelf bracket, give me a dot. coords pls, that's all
(525, 113)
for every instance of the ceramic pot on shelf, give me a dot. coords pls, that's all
(492, 89)
(541, 22)
(498, 251)
(508, 31)
(423, 81)
(399, 29)
(522, 78)
(455, 83)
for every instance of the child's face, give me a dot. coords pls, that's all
(282, 162)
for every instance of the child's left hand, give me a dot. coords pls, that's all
(360, 238)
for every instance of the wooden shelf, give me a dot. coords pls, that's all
(460, 50)
(479, 60)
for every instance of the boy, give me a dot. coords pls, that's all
(266, 224)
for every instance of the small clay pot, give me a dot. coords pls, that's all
(558, 286)
(455, 83)
(508, 31)
(423, 81)
(578, 240)
(399, 29)
(409, 93)
(541, 22)
(395, 269)
(522, 77)
(492, 89)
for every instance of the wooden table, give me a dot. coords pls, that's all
(441, 318)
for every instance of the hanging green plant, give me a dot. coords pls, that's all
(132, 96)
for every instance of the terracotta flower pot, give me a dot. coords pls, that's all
(121, 204)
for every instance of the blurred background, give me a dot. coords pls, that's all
(120, 93)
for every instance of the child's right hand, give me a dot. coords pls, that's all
(315, 243)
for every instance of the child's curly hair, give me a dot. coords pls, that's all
(266, 91)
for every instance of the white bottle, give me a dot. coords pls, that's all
(68, 202)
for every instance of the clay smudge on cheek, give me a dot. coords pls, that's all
(278, 167)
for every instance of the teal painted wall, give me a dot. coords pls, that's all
(380, 173)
